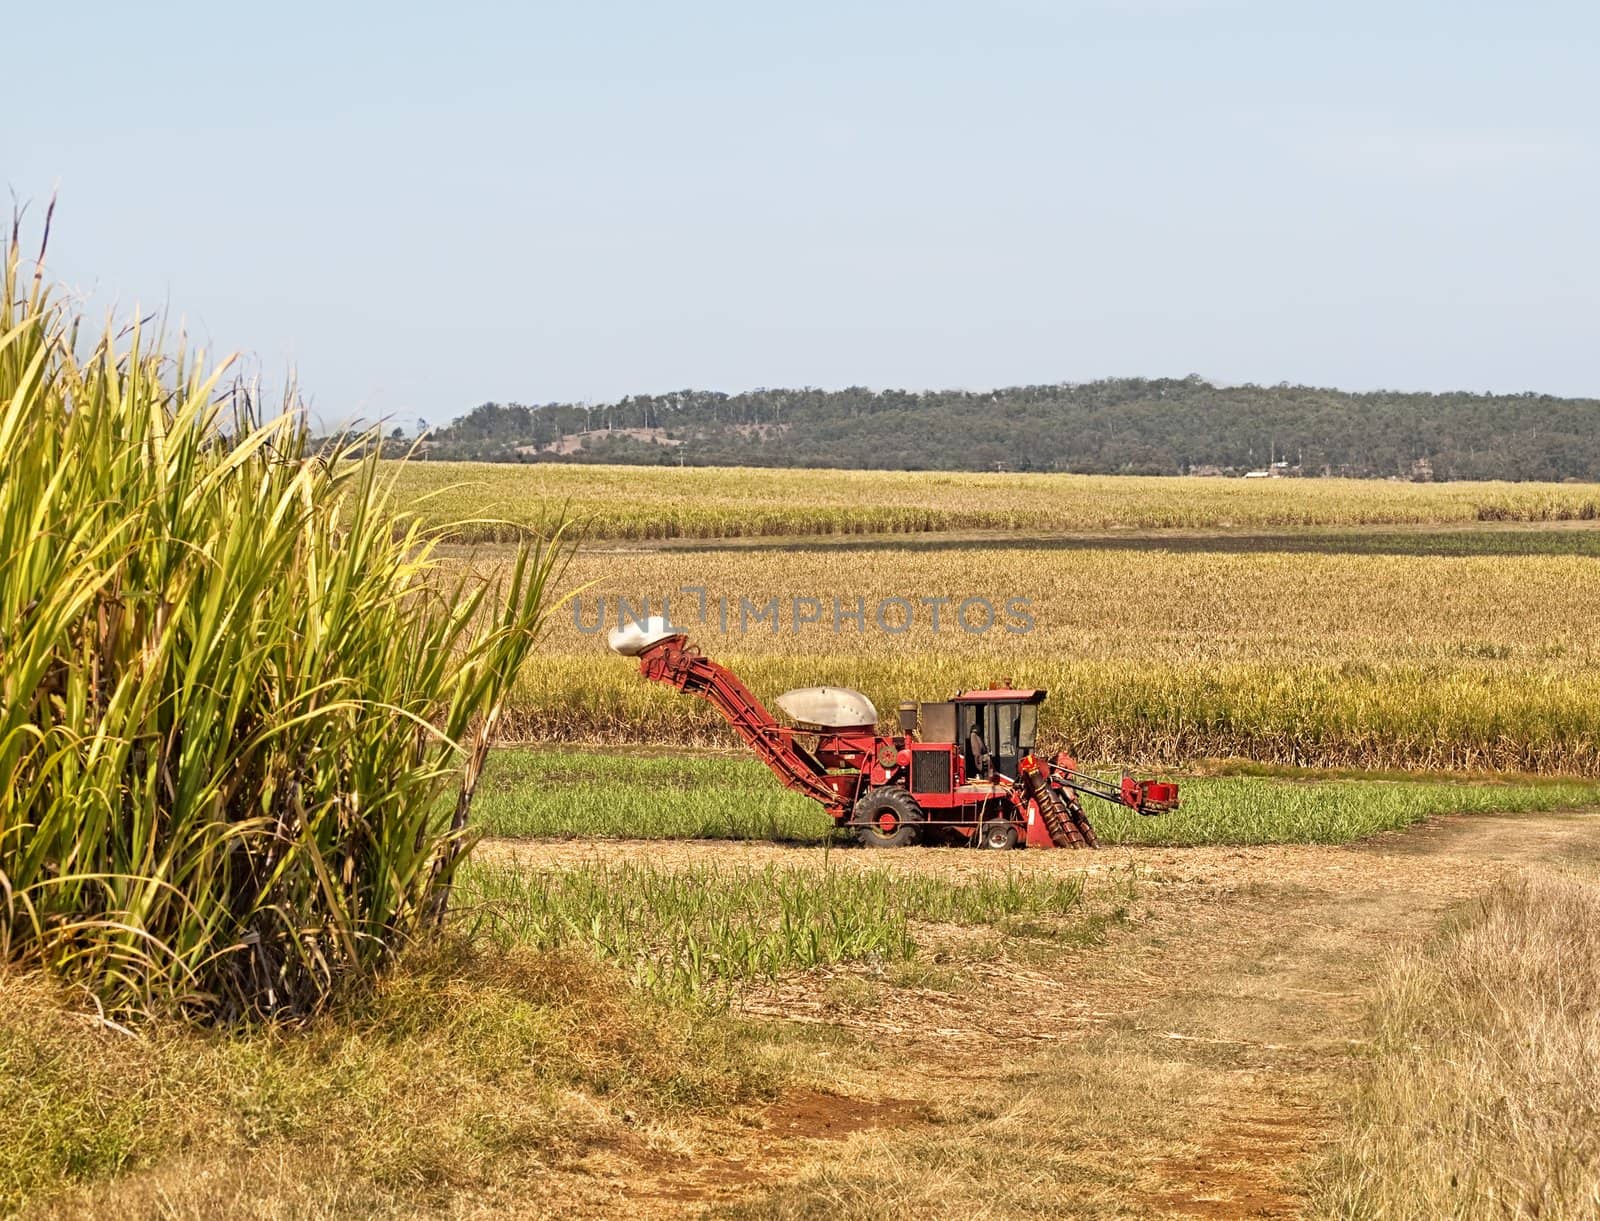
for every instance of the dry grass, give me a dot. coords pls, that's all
(535, 1084)
(1153, 657)
(645, 502)
(470, 1076)
(1176, 607)
(1013, 1146)
(1483, 1095)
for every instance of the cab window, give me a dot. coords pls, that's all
(1006, 747)
(1027, 727)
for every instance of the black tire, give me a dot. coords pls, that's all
(887, 818)
(999, 836)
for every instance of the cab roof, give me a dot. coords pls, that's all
(1001, 695)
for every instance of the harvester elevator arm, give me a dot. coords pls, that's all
(679, 664)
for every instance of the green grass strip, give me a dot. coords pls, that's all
(595, 794)
(690, 932)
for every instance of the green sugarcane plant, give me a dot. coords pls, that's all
(235, 687)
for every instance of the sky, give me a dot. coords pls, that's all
(415, 208)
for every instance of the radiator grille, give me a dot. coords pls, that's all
(930, 771)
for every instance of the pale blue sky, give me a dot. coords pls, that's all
(421, 207)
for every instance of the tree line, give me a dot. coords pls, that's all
(1169, 426)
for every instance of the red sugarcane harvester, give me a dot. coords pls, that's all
(960, 771)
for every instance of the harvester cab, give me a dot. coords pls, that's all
(963, 770)
(996, 729)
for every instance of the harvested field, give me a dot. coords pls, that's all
(493, 501)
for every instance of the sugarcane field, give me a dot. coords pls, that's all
(767, 613)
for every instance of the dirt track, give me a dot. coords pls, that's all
(1190, 1066)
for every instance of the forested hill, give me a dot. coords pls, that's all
(1133, 426)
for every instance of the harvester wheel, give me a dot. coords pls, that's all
(888, 818)
(998, 835)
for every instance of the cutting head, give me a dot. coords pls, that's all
(632, 637)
